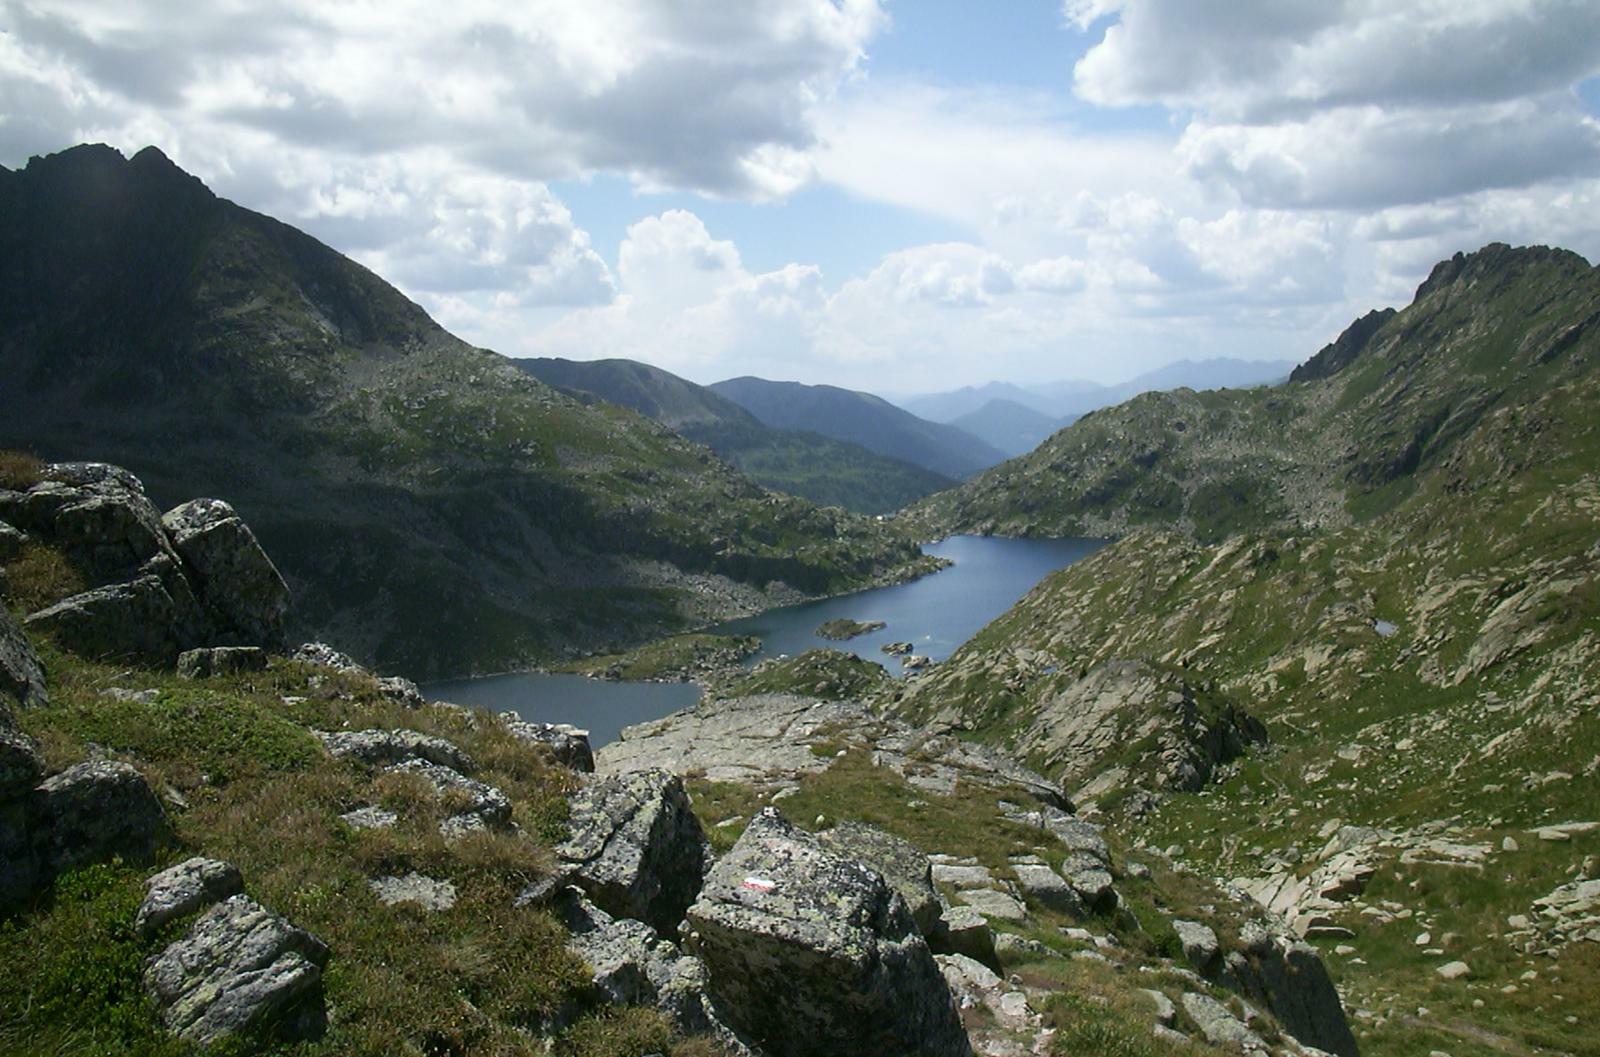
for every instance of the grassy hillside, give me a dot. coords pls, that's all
(808, 465)
(1390, 561)
(433, 507)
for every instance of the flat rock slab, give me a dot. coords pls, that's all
(416, 889)
(961, 875)
(992, 903)
(636, 846)
(813, 953)
(183, 889)
(379, 747)
(962, 930)
(370, 817)
(240, 968)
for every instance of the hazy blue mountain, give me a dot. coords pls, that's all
(1067, 399)
(1010, 426)
(809, 465)
(863, 419)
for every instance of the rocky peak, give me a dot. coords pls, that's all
(1343, 350)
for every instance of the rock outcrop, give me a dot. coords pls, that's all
(21, 674)
(240, 968)
(568, 744)
(183, 889)
(813, 953)
(900, 862)
(635, 847)
(159, 585)
(88, 813)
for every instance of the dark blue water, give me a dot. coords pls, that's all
(936, 614)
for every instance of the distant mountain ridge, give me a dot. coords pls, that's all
(432, 507)
(1012, 427)
(809, 465)
(864, 419)
(1066, 400)
(1392, 397)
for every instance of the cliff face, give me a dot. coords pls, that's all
(430, 505)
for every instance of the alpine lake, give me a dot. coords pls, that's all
(935, 614)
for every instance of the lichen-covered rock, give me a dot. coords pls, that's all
(813, 953)
(183, 889)
(95, 810)
(900, 862)
(233, 575)
(12, 540)
(401, 691)
(97, 513)
(631, 965)
(378, 747)
(568, 744)
(414, 888)
(240, 968)
(21, 674)
(324, 656)
(21, 765)
(208, 661)
(134, 620)
(638, 848)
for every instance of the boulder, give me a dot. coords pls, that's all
(12, 540)
(95, 810)
(135, 620)
(1287, 977)
(183, 889)
(636, 847)
(1220, 1027)
(21, 674)
(992, 903)
(324, 656)
(399, 690)
(631, 965)
(812, 953)
(98, 514)
(240, 968)
(231, 572)
(478, 805)
(1091, 879)
(962, 930)
(21, 765)
(379, 747)
(1047, 888)
(221, 660)
(568, 744)
(1199, 944)
(900, 862)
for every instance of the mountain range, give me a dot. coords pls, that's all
(800, 462)
(864, 419)
(433, 507)
(1016, 418)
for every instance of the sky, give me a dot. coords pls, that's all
(895, 195)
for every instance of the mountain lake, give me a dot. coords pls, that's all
(935, 614)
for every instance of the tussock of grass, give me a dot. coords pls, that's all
(19, 471)
(41, 576)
